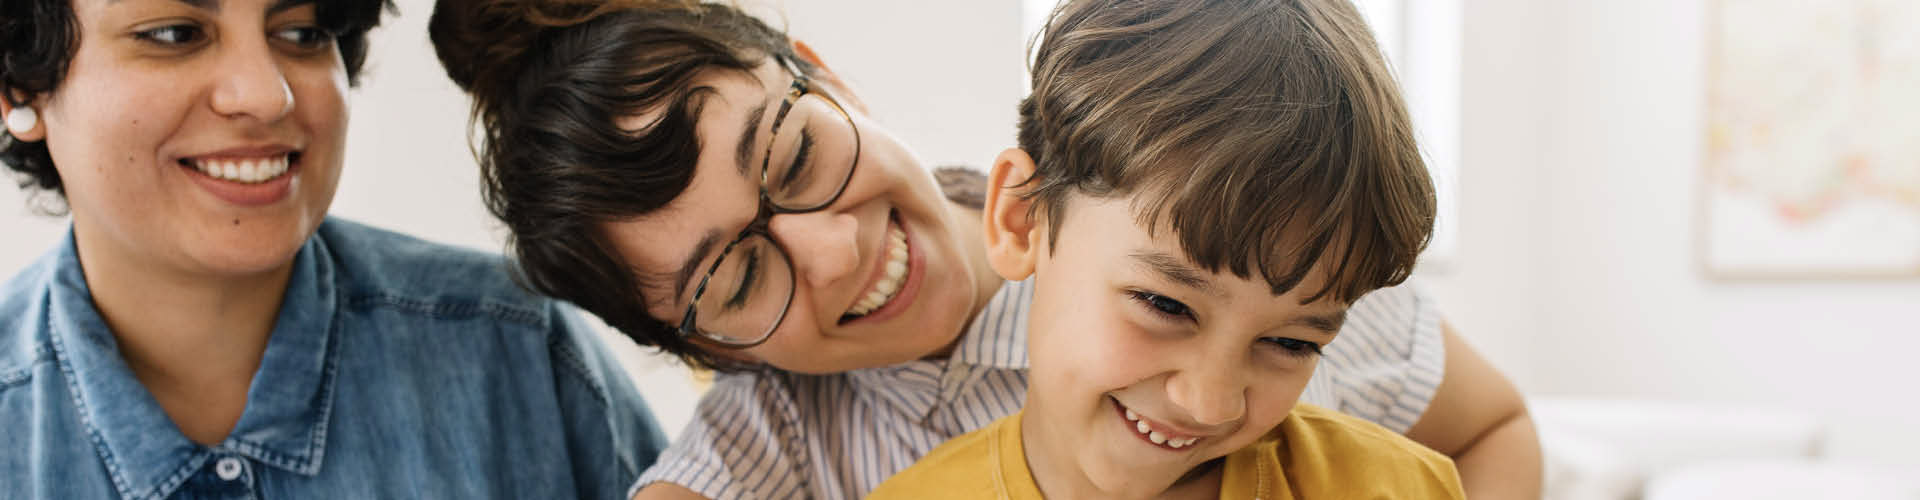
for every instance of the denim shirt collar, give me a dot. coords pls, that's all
(289, 401)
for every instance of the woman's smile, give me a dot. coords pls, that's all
(894, 282)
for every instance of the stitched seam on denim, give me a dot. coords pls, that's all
(578, 366)
(448, 309)
(180, 476)
(316, 450)
(80, 407)
(21, 376)
(315, 443)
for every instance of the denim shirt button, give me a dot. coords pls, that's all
(228, 468)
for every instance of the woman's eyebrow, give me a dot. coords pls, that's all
(743, 151)
(214, 5)
(280, 5)
(692, 263)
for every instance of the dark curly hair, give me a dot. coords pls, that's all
(550, 80)
(38, 39)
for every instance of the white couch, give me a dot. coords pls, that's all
(1614, 449)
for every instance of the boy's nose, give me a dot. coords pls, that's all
(824, 246)
(1211, 393)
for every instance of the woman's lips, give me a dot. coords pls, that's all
(909, 284)
(248, 181)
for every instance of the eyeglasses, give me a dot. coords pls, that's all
(745, 294)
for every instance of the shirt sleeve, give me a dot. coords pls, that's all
(611, 434)
(1387, 361)
(742, 443)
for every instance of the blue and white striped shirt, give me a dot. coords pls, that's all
(785, 435)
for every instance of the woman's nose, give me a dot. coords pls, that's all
(250, 84)
(824, 246)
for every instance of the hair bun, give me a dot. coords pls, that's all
(483, 43)
(474, 38)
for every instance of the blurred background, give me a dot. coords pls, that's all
(1688, 230)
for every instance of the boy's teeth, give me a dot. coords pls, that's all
(1156, 436)
(889, 283)
(253, 170)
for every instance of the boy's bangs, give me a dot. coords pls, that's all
(1269, 135)
(1281, 222)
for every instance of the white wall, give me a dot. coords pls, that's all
(1488, 287)
(945, 77)
(1582, 147)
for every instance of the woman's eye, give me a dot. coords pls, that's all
(1293, 347)
(178, 34)
(1160, 304)
(305, 36)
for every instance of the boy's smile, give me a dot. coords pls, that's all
(1146, 367)
(1159, 432)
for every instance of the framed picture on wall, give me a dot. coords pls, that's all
(1812, 161)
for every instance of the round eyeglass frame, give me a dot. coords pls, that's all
(768, 208)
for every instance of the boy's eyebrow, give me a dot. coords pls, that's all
(1175, 269)
(1329, 323)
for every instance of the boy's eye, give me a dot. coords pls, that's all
(1293, 347)
(176, 34)
(1161, 305)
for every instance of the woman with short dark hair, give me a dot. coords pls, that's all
(206, 331)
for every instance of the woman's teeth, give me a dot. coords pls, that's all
(243, 170)
(1156, 436)
(889, 284)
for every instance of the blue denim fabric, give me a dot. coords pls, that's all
(397, 369)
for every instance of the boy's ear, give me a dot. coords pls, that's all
(846, 96)
(1014, 233)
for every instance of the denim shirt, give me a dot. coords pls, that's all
(397, 368)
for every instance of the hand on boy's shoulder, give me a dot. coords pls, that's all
(1333, 455)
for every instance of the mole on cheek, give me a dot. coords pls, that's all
(236, 222)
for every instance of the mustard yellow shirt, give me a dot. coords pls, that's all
(1314, 454)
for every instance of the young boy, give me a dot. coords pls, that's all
(1202, 188)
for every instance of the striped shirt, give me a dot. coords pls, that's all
(785, 435)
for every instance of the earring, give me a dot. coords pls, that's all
(22, 120)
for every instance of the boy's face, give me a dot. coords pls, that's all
(1145, 366)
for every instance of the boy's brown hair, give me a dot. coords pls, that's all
(1267, 133)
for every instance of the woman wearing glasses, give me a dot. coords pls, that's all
(710, 187)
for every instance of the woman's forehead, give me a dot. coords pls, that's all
(722, 96)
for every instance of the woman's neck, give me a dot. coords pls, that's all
(986, 281)
(192, 339)
(968, 226)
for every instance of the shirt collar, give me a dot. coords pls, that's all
(997, 338)
(288, 402)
